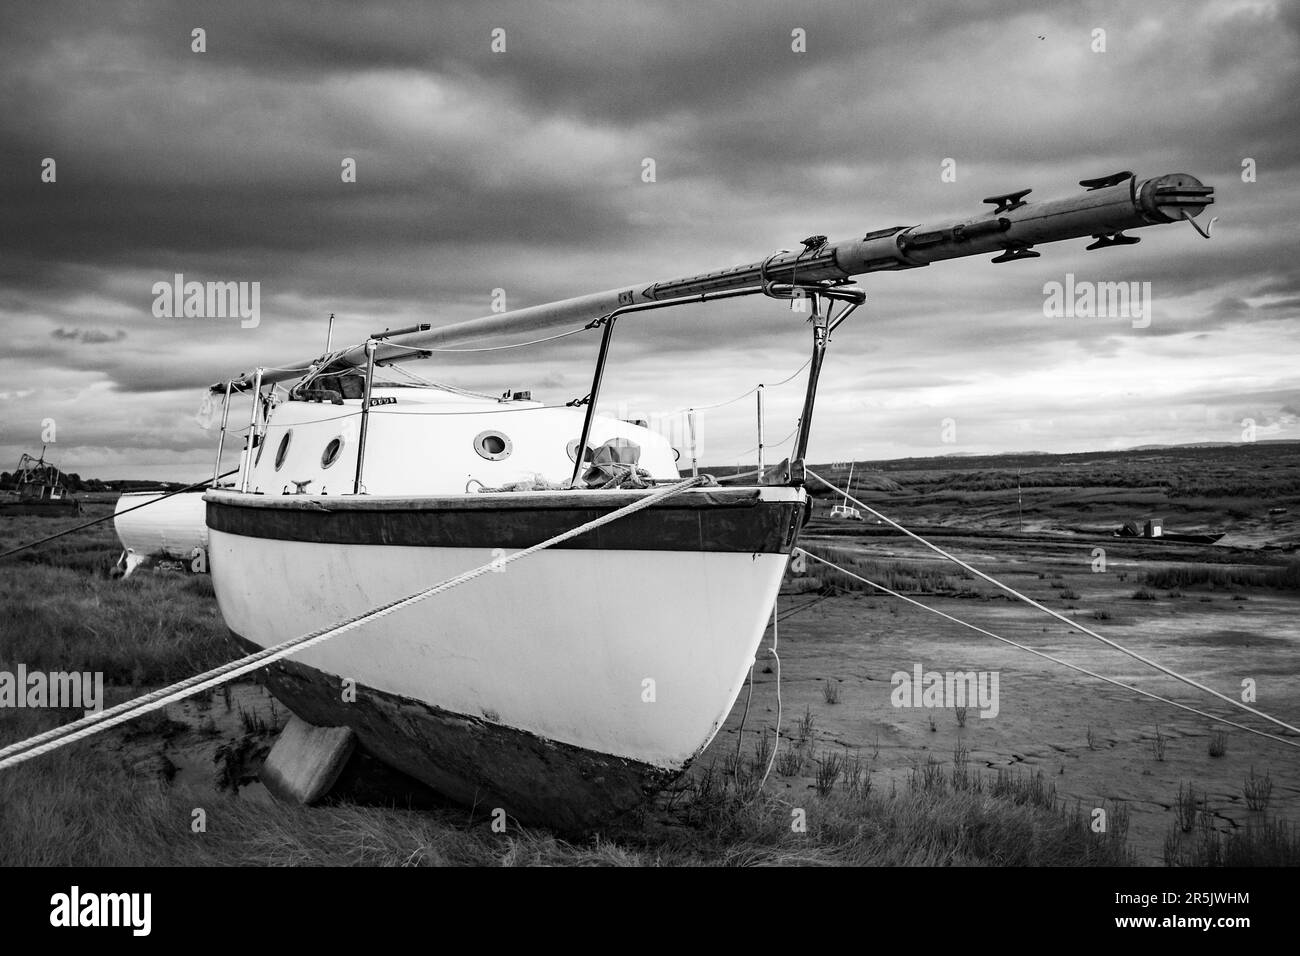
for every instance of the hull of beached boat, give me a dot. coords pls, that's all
(563, 689)
(173, 528)
(46, 507)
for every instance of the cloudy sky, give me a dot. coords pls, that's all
(522, 170)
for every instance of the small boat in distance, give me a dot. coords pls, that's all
(1153, 530)
(844, 509)
(39, 489)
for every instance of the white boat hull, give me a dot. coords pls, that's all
(172, 527)
(619, 662)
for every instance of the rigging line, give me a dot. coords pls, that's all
(776, 745)
(1049, 657)
(1061, 617)
(767, 445)
(145, 504)
(94, 723)
(705, 408)
(517, 345)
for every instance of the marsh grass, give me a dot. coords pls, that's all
(1218, 743)
(917, 577)
(1258, 790)
(829, 767)
(1158, 744)
(1185, 808)
(1267, 843)
(150, 629)
(1284, 577)
(830, 692)
(805, 727)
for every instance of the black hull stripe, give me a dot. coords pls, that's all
(747, 526)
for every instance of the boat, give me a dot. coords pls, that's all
(844, 510)
(173, 530)
(573, 685)
(1154, 531)
(39, 490)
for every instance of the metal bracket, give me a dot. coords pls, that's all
(1101, 182)
(1016, 251)
(1009, 201)
(1118, 239)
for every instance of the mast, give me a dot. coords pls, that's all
(1107, 206)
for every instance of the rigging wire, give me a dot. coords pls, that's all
(732, 401)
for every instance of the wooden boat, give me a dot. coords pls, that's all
(40, 490)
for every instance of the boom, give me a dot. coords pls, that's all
(1108, 206)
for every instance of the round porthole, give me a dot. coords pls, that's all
(283, 449)
(331, 453)
(492, 445)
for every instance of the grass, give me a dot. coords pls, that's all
(150, 629)
(82, 807)
(829, 767)
(1158, 744)
(1267, 843)
(805, 727)
(1283, 577)
(830, 692)
(1258, 790)
(1185, 808)
(1218, 743)
(916, 577)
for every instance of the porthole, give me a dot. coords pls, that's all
(283, 449)
(331, 453)
(492, 445)
(261, 445)
(572, 449)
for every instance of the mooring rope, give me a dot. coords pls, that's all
(1191, 682)
(24, 750)
(777, 744)
(144, 504)
(1046, 656)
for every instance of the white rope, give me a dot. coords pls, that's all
(1049, 657)
(777, 745)
(1060, 617)
(103, 720)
